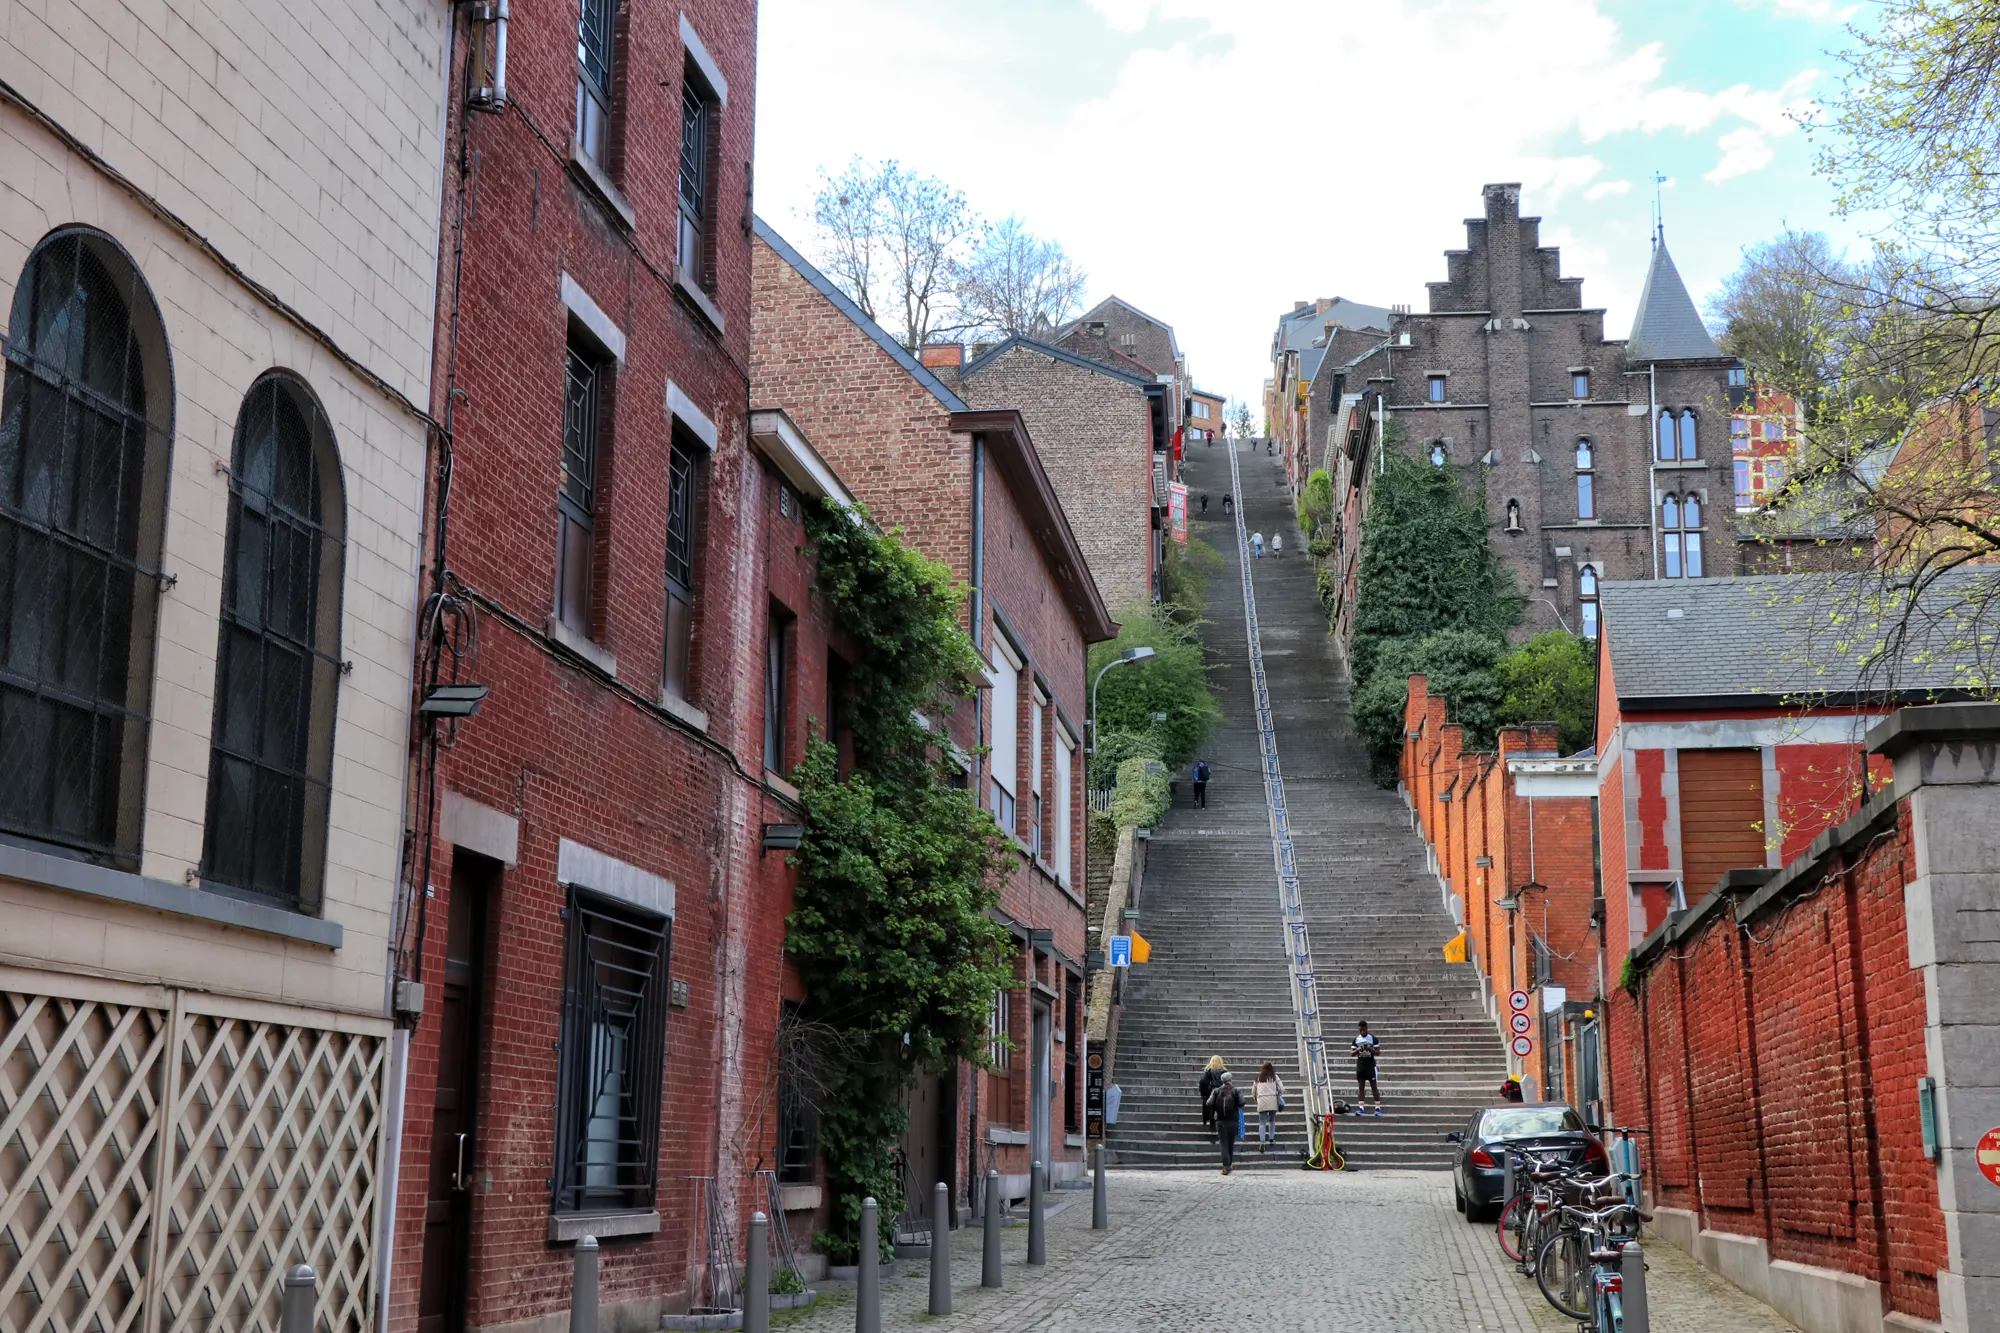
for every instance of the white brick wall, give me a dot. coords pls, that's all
(303, 142)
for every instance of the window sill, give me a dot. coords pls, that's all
(159, 895)
(1072, 1140)
(683, 710)
(575, 643)
(572, 1227)
(600, 185)
(996, 1134)
(1682, 463)
(780, 786)
(798, 1198)
(700, 299)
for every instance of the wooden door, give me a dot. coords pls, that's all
(448, 1194)
(1722, 816)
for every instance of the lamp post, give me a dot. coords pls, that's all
(1139, 654)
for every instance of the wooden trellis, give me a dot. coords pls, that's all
(274, 1159)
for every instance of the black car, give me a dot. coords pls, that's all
(1548, 1129)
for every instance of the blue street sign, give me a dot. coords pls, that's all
(1121, 951)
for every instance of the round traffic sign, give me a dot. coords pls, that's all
(1988, 1155)
(1521, 1023)
(1522, 1046)
(1518, 1001)
(1097, 1059)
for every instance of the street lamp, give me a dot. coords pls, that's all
(1139, 654)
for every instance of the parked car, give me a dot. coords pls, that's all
(1549, 1129)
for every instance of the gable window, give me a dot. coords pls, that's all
(698, 114)
(84, 442)
(612, 1050)
(1680, 522)
(777, 688)
(596, 57)
(1586, 481)
(277, 670)
(682, 462)
(1586, 596)
(1738, 377)
(1579, 384)
(1003, 762)
(1686, 434)
(1437, 388)
(576, 497)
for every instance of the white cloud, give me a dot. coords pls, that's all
(1215, 160)
(1821, 10)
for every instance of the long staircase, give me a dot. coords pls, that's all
(1217, 983)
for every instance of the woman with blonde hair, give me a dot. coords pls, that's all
(1209, 1078)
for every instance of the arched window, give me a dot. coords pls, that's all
(1687, 434)
(1586, 481)
(278, 664)
(1663, 436)
(85, 424)
(1586, 596)
(1583, 456)
(1437, 453)
(1680, 525)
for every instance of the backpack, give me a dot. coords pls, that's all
(1201, 771)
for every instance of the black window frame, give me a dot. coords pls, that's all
(1579, 384)
(778, 677)
(797, 1150)
(611, 937)
(684, 463)
(694, 191)
(585, 368)
(269, 793)
(596, 77)
(87, 380)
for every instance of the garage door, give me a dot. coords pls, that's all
(1722, 815)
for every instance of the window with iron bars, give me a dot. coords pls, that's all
(596, 64)
(83, 466)
(681, 516)
(697, 126)
(611, 1060)
(576, 499)
(278, 663)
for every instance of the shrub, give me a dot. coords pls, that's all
(1551, 678)
(1329, 584)
(1173, 682)
(1457, 664)
(1142, 794)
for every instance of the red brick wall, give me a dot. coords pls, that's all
(1776, 1064)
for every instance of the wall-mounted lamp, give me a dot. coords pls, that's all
(783, 837)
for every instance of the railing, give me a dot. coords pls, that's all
(1099, 798)
(1297, 943)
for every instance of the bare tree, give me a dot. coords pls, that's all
(1018, 283)
(892, 240)
(1239, 419)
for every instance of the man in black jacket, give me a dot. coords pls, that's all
(1227, 1104)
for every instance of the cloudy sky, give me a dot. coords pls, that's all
(1212, 161)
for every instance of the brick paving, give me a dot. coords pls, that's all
(1380, 1251)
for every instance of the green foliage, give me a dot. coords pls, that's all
(1142, 793)
(1551, 678)
(1629, 977)
(890, 928)
(1321, 545)
(1425, 563)
(1114, 748)
(1184, 580)
(1329, 584)
(1457, 664)
(1316, 504)
(1173, 682)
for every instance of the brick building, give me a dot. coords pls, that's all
(1313, 338)
(614, 561)
(1599, 458)
(218, 245)
(1205, 415)
(1097, 429)
(966, 486)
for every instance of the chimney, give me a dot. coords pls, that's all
(1300, 305)
(935, 355)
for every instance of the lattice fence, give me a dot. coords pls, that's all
(274, 1159)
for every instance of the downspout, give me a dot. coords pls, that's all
(1653, 467)
(977, 606)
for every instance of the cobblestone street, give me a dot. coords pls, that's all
(1380, 1252)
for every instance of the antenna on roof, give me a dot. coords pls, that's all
(1659, 211)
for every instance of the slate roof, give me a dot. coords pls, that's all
(1735, 641)
(845, 305)
(1298, 328)
(1173, 342)
(1668, 327)
(986, 358)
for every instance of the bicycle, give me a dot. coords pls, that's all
(1578, 1270)
(1521, 1215)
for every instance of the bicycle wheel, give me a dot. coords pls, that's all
(1562, 1271)
(1512, 1218)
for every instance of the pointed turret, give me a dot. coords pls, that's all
(1668, 327)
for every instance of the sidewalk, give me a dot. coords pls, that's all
(1373, 1252)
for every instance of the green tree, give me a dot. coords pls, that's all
(1551, 678)
(1316, 504)
(1174, 682)
(1455, 663)
(1426, 564)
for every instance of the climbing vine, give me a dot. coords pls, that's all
(890, 925)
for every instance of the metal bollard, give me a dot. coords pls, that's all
(989, 1265)
(295, 1306)
(940, 1249)
(1632, 1268)
(868, 1281)
(1100, 1210)
(1038, 1247)
(583, 1288)
(757, 1277)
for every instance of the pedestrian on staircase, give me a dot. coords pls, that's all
(1257, 545)
(1228, 504)
(1364, 1050)
(1209, 1078)
(1277, 546)
(1270, 1101)
(1201, 787)
(1204, 502)
(1227, 1104)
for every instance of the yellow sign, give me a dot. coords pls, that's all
(1141, 951)
(1454, 949)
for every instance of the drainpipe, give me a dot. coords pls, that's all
(977, 605)
(1653, 468)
